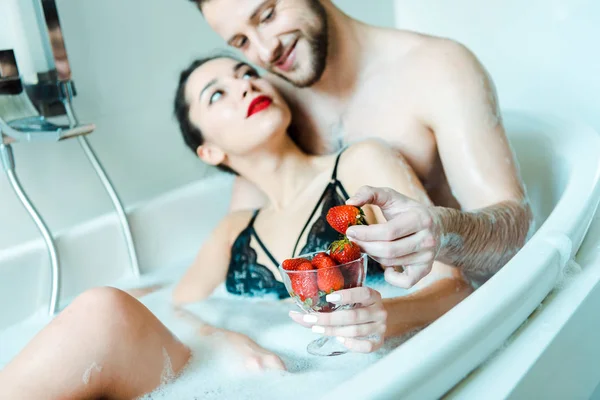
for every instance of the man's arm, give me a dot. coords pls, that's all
(459, 106)
(462, 110)
(480, 242)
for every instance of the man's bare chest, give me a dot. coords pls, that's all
(324, 130)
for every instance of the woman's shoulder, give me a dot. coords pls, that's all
(368, 162)
(234, 223)
(371, 147)
(366, 152)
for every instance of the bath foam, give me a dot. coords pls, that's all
(567, 274)
(214, 372)
(88, 372)
(167, 374)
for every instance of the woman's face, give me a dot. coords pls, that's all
(235, 109)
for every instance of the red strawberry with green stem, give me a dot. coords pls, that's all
(341, 217)
(344, 251)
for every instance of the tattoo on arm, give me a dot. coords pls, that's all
(481, 242)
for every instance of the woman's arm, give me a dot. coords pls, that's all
(254, 356)
(208, 271)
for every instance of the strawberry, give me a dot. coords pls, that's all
(330, 279)
(341, 217)
(322, 260)
(292, 264)
(344, 251)
(304, 285)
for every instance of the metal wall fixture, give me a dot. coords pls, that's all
(24, 111)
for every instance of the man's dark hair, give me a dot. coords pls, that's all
(192, 136)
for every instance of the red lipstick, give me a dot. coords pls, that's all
(258, 104)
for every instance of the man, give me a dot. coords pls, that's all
(428, 97)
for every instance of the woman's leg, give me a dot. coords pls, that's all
(105, 344)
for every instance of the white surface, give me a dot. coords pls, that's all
(167, 231)
(555, 354)
(542, 54)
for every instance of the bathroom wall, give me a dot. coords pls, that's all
(125, 57)
(542, 54)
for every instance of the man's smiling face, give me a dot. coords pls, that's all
(287, 37)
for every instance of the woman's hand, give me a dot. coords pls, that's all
(360, 329)
(255, 358)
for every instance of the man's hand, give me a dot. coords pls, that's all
(409, 238)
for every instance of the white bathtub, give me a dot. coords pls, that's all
(560, 163)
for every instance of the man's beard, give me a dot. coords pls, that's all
(318, 43)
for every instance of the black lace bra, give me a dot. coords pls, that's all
(247, 277)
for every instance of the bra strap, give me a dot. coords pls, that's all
(254, 215)
(312, 214)
(260, 242)
(334, 178)
(262, 245)
(337, 161)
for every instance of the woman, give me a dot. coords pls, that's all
(234, 119)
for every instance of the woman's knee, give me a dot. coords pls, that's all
(117, 316)
(108, 313)
(106, 302)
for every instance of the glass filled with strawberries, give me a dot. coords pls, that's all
(309, 278)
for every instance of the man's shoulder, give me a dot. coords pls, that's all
(424, 58)
(449, 61)
(441, 68)
(435, 53)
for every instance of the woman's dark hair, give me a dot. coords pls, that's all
(191, 134)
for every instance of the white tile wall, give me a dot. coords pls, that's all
(542, 54)
(125, 58)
